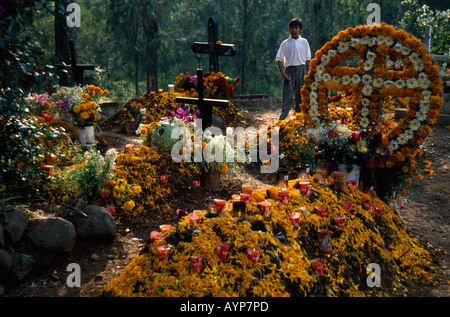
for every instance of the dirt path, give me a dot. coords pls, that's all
(425, 213)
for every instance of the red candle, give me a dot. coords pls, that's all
(317, 265)
(378, 211)
(194, 218)
(155, 235)
(325, 241)
(347, 204)
(164, 178)
(253, 254)
(111, 209)
(265, 208)
(236, 197)
(245, 197)
(221, 205)
(197, 262)
(295, 218)
(49, 169)
(340, 221)
(129, 147)
(222, 250)
(163, 252)
(165, 228)
(247, 188)
(283, 195)
(368, 206)
(160, 90)
(196, 183)
(321, 210)
(305, 188)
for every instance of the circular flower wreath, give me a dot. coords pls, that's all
(373, 81)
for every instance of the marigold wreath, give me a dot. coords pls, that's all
(373, 81)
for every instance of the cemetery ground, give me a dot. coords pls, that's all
(424, 211)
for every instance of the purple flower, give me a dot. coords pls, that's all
(164, 119)
(356, 137)
(180, 213)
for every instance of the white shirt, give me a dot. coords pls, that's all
(294, 52)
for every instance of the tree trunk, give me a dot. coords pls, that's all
(244, 45)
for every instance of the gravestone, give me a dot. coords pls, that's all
(213, 47)
(205, 105)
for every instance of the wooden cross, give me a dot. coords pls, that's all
(205, 105)
(214, 50)
(77, 69)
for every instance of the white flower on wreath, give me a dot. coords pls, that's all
(312, 95)
(325, 59)
(398, 47)
(424, 106)
(399, 83)
(411, 83)
(313, 112)
(332, 53)
(342, 47)
(365, 102)
(368, 65)
(371, 56)
(319, 69)
(367, 90)
(346, 80)
(414, 58)
(364, 111)
(378, 82)
(313, 103)
(364, 122)
(426, 95)
(326, 77)
(388, 83)
(367, 79)
(382, 39)
(405, 50)
(356, 79)
(414, 125)
(314, 86)
(402, 139)
(372, 41)
(393, 145)
(365, 40)
(409, 134)
(337, 79)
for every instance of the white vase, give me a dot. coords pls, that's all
(353, 175)
(86, 135)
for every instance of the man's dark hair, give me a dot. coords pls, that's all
(295, 22)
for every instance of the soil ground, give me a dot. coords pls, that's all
(425, 212)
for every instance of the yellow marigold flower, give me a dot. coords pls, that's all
(405, 169)
(137, 189)
(85, 96)
(105, 92)
(91, 88)
(76, 109)
(224, 168)
(85, 115)
(129, 205)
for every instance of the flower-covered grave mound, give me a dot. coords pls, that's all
(294, 258)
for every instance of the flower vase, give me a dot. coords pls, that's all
(351, 175)
(211, 180)
(86, 135)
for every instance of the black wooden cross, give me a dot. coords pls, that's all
(77, 69)
(214, 50)
(205, 105)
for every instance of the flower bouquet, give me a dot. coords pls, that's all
(216, 84)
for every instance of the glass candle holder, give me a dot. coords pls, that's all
(295, 218)
(282, 180)
(253, 254)
(197, 263)
(283, 195)
(163, 252)
(340, 221)
(265, 208)
(239, 208)
(155, 235)
(324, 241)
(221, 205)
(321, 210)
(317, 265)
(222, 250)
(164, 179)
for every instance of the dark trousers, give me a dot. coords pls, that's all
(297, 75)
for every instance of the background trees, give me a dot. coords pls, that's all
(142, 45)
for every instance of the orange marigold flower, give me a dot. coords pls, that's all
(428, 164)
(419, 177)
(430, 172)
(366, 198)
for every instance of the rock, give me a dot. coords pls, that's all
(21, 265)
(5, 260)
(55, 234)
(95, 257)
(17, 222)
(71, 208)
(99, 223)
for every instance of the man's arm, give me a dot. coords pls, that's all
(308, 66)
(280, 67)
